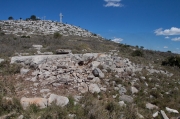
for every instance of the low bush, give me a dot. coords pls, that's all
(172, 61)
(137, 53)
(57, 35)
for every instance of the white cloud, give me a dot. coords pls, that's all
(167, 37)
(172, 31)
(165, 46)
(113, 3)
(117, 40)
(176, 39)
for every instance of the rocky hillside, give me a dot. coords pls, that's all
(83, 77)
(42, 27)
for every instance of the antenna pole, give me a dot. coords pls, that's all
(61, 16)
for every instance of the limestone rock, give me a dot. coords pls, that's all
(41, 102)
(93, 88)
(24, 71)
(1, 60)
(59, 100)
(151, 106)
(164, 115)
(171, 110)
(83, 88)
(126, 98)
(134, 90)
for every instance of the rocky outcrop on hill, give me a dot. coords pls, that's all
(42, 27)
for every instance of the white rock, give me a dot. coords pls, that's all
(151, 106)
(59, 100)
(94, 88)
(83, 88)
(1, 60)
(122, 104)
(140, 116)
(134, 90)
(155, 114)
(171, 110)
(44, 90)
(41, 102)
(24, 71)
(164, 115)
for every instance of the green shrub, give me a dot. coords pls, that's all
(137, 53)
(57, 35)
(172, 61)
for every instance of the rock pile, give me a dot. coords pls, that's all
(82, 72)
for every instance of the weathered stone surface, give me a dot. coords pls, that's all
(38, 47)
(126, 98)
(122, 90)
(1, 60)
(151, 106)
(134, 90)
(59, 100)
(122, 104)
(155, 114)
(83, 88)
(93, 88)
(24, 71)
(41, 102)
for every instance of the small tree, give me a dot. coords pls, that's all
(10, 18)
(33, 17)
(57, 35)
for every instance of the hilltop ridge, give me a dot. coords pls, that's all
(42, 27)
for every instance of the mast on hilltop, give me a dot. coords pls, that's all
(61, 16)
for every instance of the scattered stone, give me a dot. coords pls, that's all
(122, 104)
(59, 100)
(151, 106)
(134, 90)
(41, 102)
(171, 110)
(126, 98)
(94, 88)
(24, 71)
(155, 114)
(164, 114)
(20, 117)
(122, 90)
(83, 88)
(1, 60)
(44, 90)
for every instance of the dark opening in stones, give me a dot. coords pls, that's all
(81, 63)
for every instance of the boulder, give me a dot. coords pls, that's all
(93, 88)
(126, 98)
(41, 102)
(59, 100)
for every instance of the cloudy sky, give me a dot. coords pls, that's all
(154, 24)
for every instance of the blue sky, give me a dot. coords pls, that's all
(154, 24)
